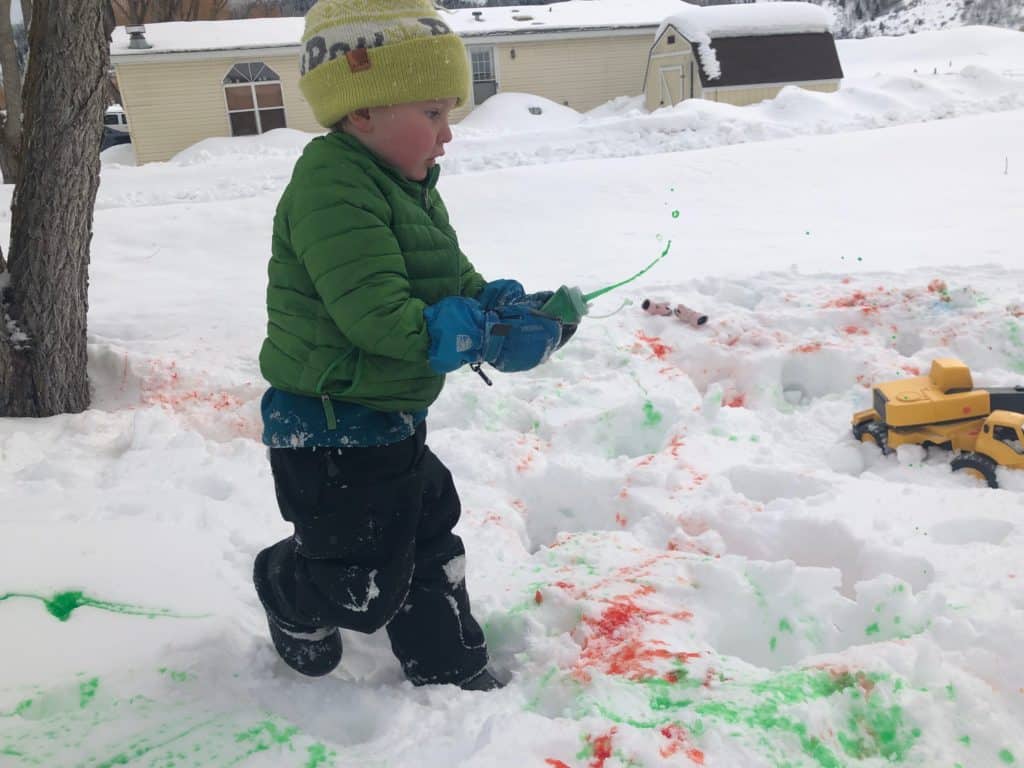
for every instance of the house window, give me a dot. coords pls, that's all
(671, 39)
(485, 84)
(254, 98)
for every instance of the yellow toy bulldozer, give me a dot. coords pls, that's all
(985, 427)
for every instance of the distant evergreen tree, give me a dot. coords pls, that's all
(1003, 13)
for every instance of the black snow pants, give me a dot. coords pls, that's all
(373, 547)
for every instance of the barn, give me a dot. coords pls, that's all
(740, 54)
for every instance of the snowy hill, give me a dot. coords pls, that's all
(679, 554)
(867, 18)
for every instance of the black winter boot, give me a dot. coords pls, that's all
(310, 650)
(313, 651)
(482, 681)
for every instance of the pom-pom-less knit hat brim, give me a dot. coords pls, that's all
(416, 70)
(376, 53)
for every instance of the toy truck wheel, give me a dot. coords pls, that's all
(872, 431)
(978, 465)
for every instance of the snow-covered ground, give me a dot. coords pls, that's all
(678, 552)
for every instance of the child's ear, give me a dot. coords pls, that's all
(361, 120)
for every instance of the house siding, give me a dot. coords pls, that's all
(743, 96)
(173, 104)
(582, 73)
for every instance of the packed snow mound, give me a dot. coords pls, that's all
(281, 142)
(519, 112)
(121, 154)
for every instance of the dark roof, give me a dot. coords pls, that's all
(773, 59)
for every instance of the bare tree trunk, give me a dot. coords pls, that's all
(10, 141)
(45, 300)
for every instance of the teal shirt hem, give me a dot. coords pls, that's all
(299, 421)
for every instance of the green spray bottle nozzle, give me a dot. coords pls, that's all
(569, 304)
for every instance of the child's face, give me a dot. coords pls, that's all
(408, 136)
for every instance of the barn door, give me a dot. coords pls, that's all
(671, 85)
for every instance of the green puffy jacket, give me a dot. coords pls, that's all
(358, 252)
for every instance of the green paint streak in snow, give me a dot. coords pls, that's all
(1015, 339)
(785, 626)
(1007, 756)
(86, 691)
(63, 604)
(873, 728)
(651, 417)
(773, 642)
(871, 629)
(319, 755)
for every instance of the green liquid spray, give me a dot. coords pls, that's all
(569, 304)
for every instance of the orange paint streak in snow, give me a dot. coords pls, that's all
(679, 739)
(656, 345)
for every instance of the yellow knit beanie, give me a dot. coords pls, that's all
(377, 53)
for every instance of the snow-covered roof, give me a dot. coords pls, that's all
(573, 15)
(698, 23)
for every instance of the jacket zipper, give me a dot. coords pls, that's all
(332, 421)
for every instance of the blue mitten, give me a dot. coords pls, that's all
(499, 293)
(538, 300)
(521, 338)
(456, 326)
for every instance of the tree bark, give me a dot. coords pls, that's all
(10, 141)
(44, 302)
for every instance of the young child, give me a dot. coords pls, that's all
(370, 302)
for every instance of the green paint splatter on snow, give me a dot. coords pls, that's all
(319, 755)
(63, 604)
(87, 690)
(175, 675)
(1015, 339)
(950, 691)
(785, 626)
(872, 629)
(675, 214)
(966, 739)
(651, 417)
(1007, 756)
(773, 642)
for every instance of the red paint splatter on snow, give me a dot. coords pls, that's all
(166, 387)
(937, 286)
(679, 740)
(854, 330)
(564, 585)
(602, 746)
(615, 644)
(656, 345)
(913, 370)
(736, 401)
(555, 763)
(621, 519)
(538, 598)
(814, 346)
(857, 299)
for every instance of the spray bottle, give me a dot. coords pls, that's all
(570, 304)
